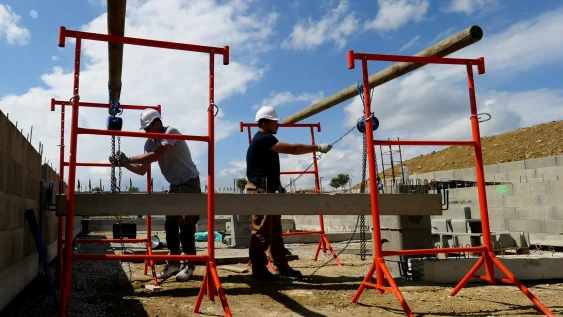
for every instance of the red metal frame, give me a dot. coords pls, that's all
(487, 258)
(323, 239)
(62, 164)
(211, 283)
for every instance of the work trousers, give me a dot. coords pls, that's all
(186, 224)
(266, 235)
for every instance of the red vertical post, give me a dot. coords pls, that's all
(249, 135)
(211, 162)
(372, 179)
(67, 273)
(61, 191)
(480, 173)
(318, 189)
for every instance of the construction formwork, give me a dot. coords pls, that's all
(211, 283)
(487, 258)
(63, 164)
(324, 244)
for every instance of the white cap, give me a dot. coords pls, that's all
(267, 112)
(147, 117)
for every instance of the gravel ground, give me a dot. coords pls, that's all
(102, 288)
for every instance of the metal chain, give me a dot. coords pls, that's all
(119, 150)
(320, 155)
(362, 190)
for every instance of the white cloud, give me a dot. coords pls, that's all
(286, 97)
(33, 14)
(409, 43)
(10, 27)
(334, 26)
(54, 58)
(470, 6)
(176, 80)
(393, 14)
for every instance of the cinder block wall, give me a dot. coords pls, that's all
(21, 174)
(529, 198)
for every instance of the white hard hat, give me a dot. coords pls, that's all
(147, 117)
(267, 112)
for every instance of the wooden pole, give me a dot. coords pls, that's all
(116, 26)
(446, 47)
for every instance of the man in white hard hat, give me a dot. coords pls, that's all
(175, 161)
(263, 173)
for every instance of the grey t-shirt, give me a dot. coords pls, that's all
(176, 165)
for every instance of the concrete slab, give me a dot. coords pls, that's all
(491, 169)
(496, 177)
(520, 175)
(511, 166)
(522, 201)
(549, 200)
(240, 204)
(523, 267)
(543, 213)
(550, 171)
(463, 173)
(559, 160)
(553, 226)
(19, 147)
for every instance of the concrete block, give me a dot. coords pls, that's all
(557, 213)
(457, 226)
(559, 160)
(33, 161)
(444, 175)
(3, 161)
(5, 136)
(19, 147)
(405, 222)
(439, 225)
(539, 188)
(540, 162)
(525, 212)
(464, 173)
(453, 213)
(542, 213)
(509, 213)
(491, 169)
(498, 224)
(515, 225)
(521, 188)
(550, 171)
(522, 201)
(553, 226)
(548, 200)
(555, 186)
(11, 211)
(521, 175)
(496, 177)
(532, 225)
(511, 166)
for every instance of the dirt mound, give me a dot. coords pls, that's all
(526, 143)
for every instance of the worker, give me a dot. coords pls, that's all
(175, 161)
(263, 173)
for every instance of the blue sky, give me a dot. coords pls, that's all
(287, 54)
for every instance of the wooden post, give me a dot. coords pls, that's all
(446, 47)
(116, 27)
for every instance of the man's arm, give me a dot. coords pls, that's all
(294, 149)
(150, 157)
(140, 169)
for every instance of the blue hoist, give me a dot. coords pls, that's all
(114, 122)
(361, 125)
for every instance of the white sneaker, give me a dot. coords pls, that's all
(185, 274)
(169, 269)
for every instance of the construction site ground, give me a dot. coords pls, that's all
(102, 288)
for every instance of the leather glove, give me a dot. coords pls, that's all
(324, 148)
(120, 159)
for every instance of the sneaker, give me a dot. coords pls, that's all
(264, 275)
(289, 272)
(185, 273)
(168, 270)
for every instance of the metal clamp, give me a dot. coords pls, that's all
(482, 113)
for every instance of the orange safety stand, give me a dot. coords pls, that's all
(488, 258)
(324, 244)
(62, 164)
(211, 284)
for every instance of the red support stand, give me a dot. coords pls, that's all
(62, 164)
(211, 283)
(488, 258)
(324, 244)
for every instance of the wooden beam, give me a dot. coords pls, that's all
(130, 204)
(116, 27)
(448, 46)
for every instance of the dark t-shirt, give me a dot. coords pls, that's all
(262, 162)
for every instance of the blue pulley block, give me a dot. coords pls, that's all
(114, 123)
(361, 126)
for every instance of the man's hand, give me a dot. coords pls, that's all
(324, 148)
(120, 159)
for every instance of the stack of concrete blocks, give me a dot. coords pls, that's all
(525, 204)
(21, 174)
(239, 230)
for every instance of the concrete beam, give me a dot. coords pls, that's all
(129, 204)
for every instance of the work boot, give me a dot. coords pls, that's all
(263, 274)
(289, 272)
(168, 270)
(185, 273)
